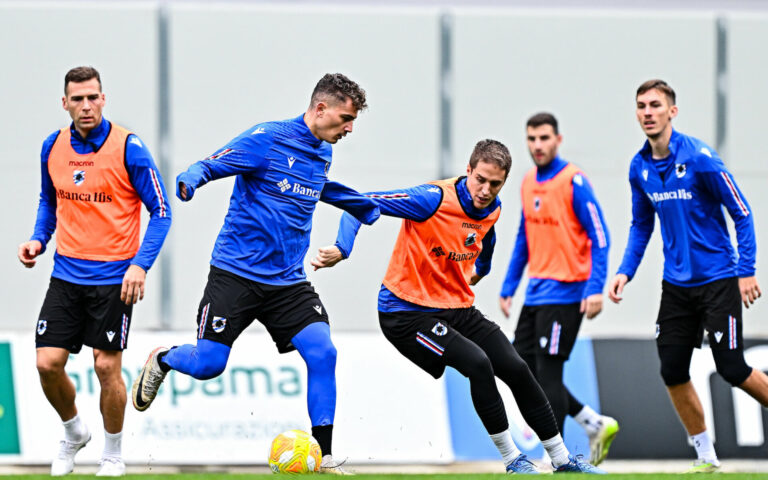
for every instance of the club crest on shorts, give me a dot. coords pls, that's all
(658, 330)
(218, 324)
(543, 342)
(78, 176)
(439, 329)
(42, 326)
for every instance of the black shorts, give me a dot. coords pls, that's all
(548, 329)
(231, 303)
(423, 337)
(74, 315)
(685, 312)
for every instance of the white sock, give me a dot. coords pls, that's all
(506, 446)
(704, 447)
(75, 430)
(556, 450)
(113, 445)
(589, 419)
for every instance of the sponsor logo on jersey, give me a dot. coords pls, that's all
(679, 194)
(309, 192)
(290, 161)
(81, 163)
(218, 324)
(437, 252)
(284, 185)
(42, 326)
(98, 197)
(439, 329)
(462, 257)
(110, 336)
(680, 170)
(471, 239)
(78, 176)
(474, 226)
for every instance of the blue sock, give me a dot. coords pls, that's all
(315, 347)
(205, 360)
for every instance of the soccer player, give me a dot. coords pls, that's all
(684, 182)
(95, 176)
(257, 269)
(425, 303)
(564, 240)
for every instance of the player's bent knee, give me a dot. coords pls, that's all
(210, 369)
(731, 366)
(477, 366)
(674, 376)
(321, 355)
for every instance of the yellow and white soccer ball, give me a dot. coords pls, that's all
(294, 451)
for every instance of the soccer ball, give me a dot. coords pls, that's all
(294, 451)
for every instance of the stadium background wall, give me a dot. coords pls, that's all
(261, 394)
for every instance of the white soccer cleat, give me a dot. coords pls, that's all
(111, 467)
(148, 382)
(64, 462)
(701, 465)
(601, 440)
(332, 467)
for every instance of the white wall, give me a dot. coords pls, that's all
(234, 65)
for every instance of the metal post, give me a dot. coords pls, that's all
(164, 156)
(446, 95)
(721, 80)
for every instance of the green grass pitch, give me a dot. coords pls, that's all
(466, 476)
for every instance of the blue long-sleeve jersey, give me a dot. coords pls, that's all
(418, 204)
(547, 291)
(282, 172)
(687, 195)
(147, 182)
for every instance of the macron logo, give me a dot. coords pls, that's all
(290, 162)
(135, 140)
(318, 309)
(258, 131)
(110, 336)
(433, 190)
(284, 185)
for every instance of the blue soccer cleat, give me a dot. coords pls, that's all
(521, 465)
(577, 464)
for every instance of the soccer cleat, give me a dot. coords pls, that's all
(601, 440)
(64, 462)
(577, 464)
(701, 465)
(332, 467)
(111, 467)
(521, 465)
(148, 382)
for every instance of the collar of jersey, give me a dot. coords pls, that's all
(305, 132)
(93, 141)
(548, 172)
(674, 141)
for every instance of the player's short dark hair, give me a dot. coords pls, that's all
(659, 85)
(543, 118)
(336, 87)
(491, 151)
(81, 74)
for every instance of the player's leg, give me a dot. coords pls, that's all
(226, 309)
(297, 320)
(678, 332)
(722, 310)
(531, 400)
(525, 336)
(59, 333)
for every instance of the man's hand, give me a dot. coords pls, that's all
(750, 290)
(506, 305)
(327, 257)
(182, 191)
(592, 305)
(616, 287)
(28, 251)
(474, 278)
(133, 285)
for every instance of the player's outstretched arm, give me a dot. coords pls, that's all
(750, 290)
(327, 257)
(28, 252)
(616, 287)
